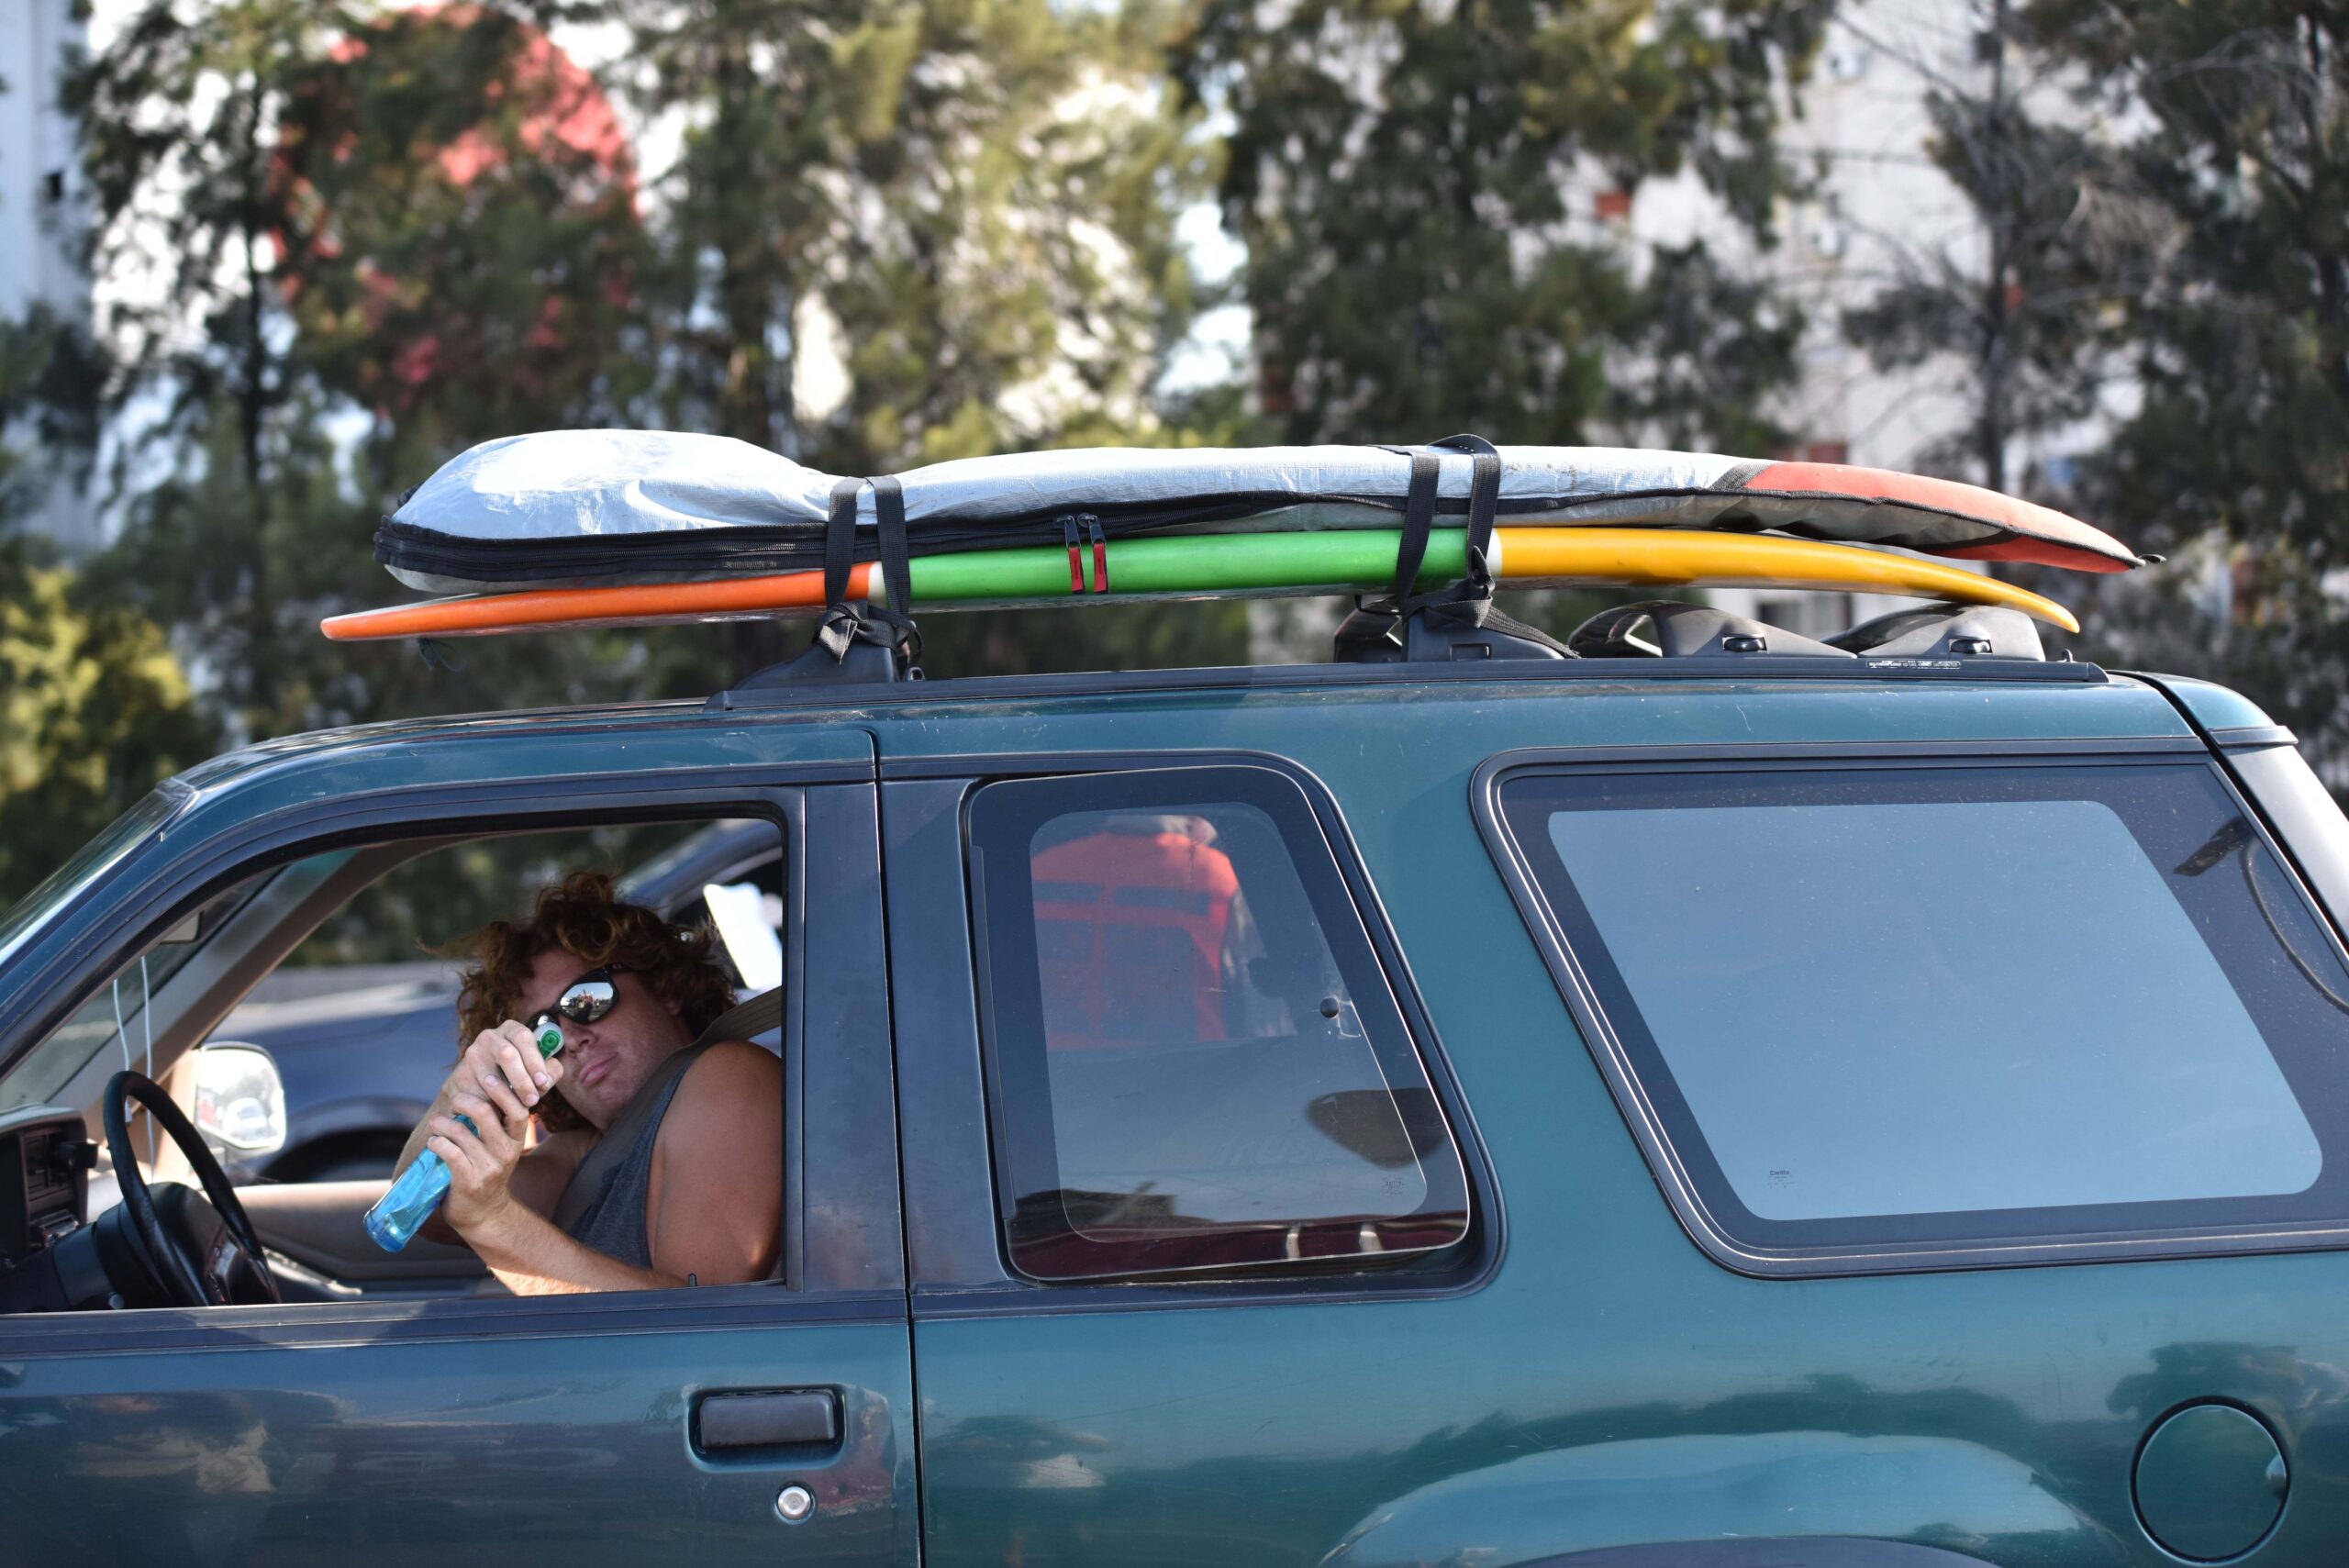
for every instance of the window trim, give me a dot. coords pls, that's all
(113, 912)
(955, 1266)
(1633, 1098)
(163, 886)
(1338, 918)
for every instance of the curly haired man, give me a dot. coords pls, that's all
(661, 1162)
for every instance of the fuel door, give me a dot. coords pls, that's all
(2211, 1482)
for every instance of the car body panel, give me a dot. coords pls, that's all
(567, 1448)
(2212, 705)
(516, 1429)
(1594, 1387)
(1994, 1413)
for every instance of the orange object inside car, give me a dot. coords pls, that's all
(1129, 930)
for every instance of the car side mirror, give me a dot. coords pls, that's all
(239, 1099)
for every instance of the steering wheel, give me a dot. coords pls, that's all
(203, 1254)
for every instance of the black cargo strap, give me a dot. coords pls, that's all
(844, 622)
(897, 564)
(1467, 601)
(1419, 521)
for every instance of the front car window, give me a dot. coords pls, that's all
(95, 859)
(306, 1018)
(119, 1016)
(1884, 1007)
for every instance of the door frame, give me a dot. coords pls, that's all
(957, 1262)
(843, 1257)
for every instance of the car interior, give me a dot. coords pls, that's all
(137, 1141)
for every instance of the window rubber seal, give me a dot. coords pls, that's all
(1639, 1111)
(1013, 1294)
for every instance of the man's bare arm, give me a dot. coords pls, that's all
(714, 1208)
(521, 1246)
(530, 1257)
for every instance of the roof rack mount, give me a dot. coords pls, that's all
(1685, 632)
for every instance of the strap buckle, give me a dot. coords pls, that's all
(1074, 543)
(889, 625)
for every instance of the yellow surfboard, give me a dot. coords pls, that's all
(1672, 558)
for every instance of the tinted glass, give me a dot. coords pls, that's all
(1942, 1002)
(20, 919)
(1198, 1061)
(116, 1016)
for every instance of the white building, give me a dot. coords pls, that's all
(39, 190)
(1882, 211)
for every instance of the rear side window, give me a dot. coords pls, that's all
(1913, 1006)
(1196, 1062)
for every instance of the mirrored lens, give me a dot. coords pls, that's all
(587, 1000)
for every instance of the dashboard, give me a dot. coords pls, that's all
(45, 1164)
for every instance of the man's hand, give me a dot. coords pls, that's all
(504, 1064)
(481, 1159)
(503, 1072)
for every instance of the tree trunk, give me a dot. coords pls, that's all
(253, 395)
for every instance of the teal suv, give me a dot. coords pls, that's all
(1717, 1109)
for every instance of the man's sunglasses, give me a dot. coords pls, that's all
(586, 1000)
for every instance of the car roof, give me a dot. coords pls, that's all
(2031, 700)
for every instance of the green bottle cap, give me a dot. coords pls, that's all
(548, 1039)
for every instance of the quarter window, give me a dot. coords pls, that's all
(1197, 1062)
(1887, 1007)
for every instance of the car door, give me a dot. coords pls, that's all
(753, 1423)
(1195, 1212)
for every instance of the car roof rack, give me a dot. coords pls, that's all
(1934, 633)
(1946, 632)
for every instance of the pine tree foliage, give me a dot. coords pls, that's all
(1405, 178)
(2236, 338)
(971, 200)
(2030, 314)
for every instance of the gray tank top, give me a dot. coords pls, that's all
(603, 1207)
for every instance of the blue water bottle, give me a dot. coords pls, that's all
(393, 1221)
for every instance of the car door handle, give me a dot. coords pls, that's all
(783, 1417)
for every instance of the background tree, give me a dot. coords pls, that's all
(391, 234)
(2233, 143)
(926, 230)
(1402, 175)
(2025, 309)
(94, 707)
(1419, 189)
(971, 204)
